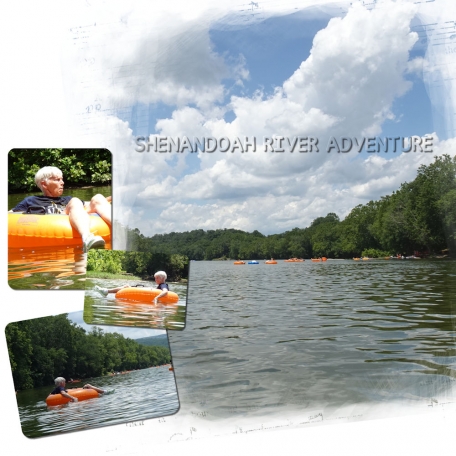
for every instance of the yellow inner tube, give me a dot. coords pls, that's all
(82, 394)
(37, 230)
(146, 295)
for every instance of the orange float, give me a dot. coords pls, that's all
(294, 260)
(239, 262)
(316, 260)
(82, 394)
(146, 295)
(270, 262)
(38, 230)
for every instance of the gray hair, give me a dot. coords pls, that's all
(59, 380)
(161, 274)
(45, 173)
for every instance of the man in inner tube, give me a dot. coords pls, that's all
(160, 279)
(50, 181)
(60, 389)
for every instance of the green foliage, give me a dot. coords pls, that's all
(375, 253)
(446, 206)
(45, 348)
(142, 264)
(79, 167)
(105, 261)
(20, 352)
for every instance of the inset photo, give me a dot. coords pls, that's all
(69, 376)
(59, 203)
(136, 289)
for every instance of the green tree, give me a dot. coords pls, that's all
(79, 167)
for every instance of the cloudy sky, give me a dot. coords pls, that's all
(302, 68)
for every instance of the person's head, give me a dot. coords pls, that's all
(50, 181)
(59, 381)
(160, 277)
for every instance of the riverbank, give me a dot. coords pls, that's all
(108, 275)
(124, 276)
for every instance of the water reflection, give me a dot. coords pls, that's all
(55, 267)
(341, 335)
(47, 268)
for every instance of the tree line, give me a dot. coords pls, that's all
(79, 167)
(142, 264)
(45, 348)
(419, 217)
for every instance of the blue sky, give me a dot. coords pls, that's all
(323, 71)
(272, 50)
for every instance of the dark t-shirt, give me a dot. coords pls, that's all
(51, 205)
(58, 390)
(163, 286)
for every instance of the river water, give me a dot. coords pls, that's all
(134, 396)
(57, 267)
(107, 310)
(340, 339)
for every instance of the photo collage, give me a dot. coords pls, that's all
(231, 227)
(60, 238)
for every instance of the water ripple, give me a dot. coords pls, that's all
(319, 335)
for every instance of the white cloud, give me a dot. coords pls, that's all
(149, 56)
(357, 68)
(354, 72)
(337, 186)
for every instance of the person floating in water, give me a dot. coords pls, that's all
(160, 279)
(50, 181)
(60, 389)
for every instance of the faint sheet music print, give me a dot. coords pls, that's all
(102, 102)
(439, 71)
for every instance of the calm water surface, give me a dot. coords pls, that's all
(127, 400)
(107, 310)
(59, 267)
(267, 339)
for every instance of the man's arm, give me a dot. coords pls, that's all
(164, 291)
(71, 398)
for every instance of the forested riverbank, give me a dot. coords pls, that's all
(420, 217)
(139, 264)
(45, 348)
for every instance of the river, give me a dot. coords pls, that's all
(107, 310)
(132, 397)
(326, 341)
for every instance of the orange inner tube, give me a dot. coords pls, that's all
(82, 394)
(146, 295)
(270, 262)
(37, 230)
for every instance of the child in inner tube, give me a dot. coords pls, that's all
(160, 280)
(60, 389)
